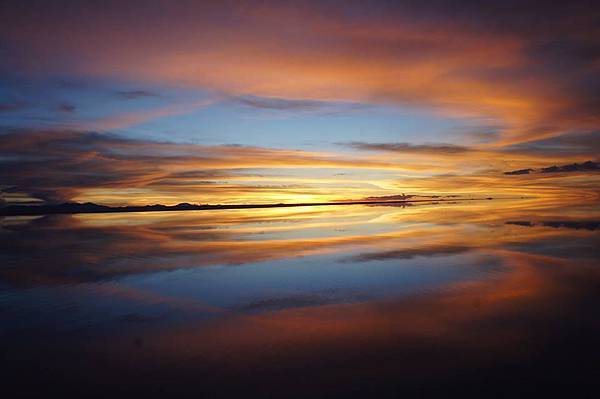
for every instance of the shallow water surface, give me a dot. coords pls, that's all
(491, 297)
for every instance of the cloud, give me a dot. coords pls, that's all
(287, 302)
(437, 250)
(575, 167)
(534, 76)
(569, 224)
(133, 118)
(66, 107)
(588, 166)
(12, 106)
(280, 104)
(102, 167)
(57, 166)
(519, 172)
(581, 145)
(134, 94)
(447, 149)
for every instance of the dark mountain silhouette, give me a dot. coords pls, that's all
(90, 207)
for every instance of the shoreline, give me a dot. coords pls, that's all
(69, 209)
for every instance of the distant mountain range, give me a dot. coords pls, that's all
(90, 207)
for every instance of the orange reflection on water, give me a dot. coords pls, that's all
(333, 299)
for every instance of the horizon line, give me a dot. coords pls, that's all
(48, 209)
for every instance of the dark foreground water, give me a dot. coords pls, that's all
(489, 299)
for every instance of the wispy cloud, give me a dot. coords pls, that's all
(280, 104)
(12, 106)
(435, 250)
(411, 148)
(134, 94)
(527, 86)
(66, 107)
(587, 166)
(533, 77)
(133, 118)
(519, 172)
(111, 169)
(107, 166)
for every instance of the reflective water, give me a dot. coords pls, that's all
(483, 298)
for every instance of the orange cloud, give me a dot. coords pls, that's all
(114, 170)
(530, 79)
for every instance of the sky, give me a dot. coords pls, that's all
(145, 102)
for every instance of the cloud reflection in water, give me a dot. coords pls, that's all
(352, 300)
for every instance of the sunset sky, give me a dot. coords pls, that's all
(143, 102)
